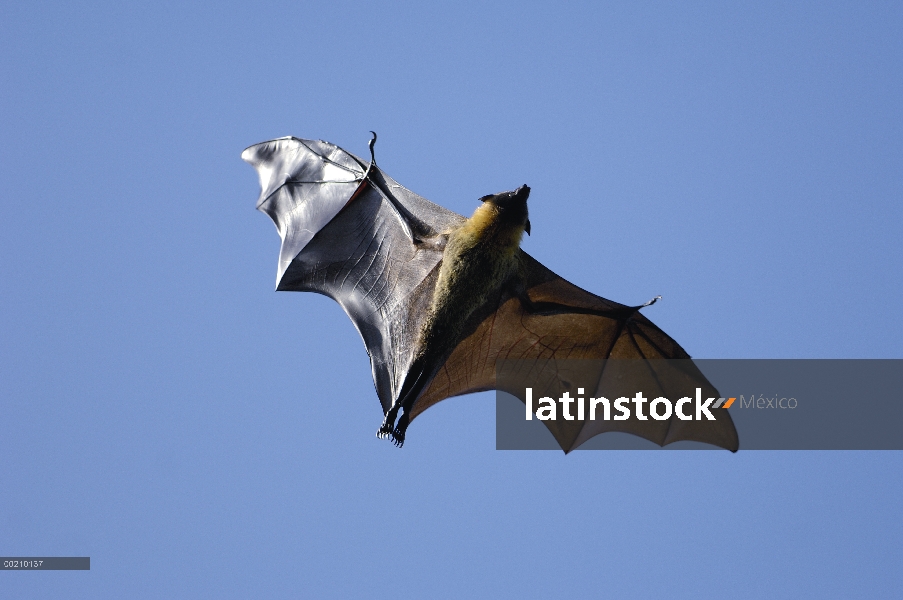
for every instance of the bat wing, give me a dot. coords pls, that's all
(560, 339)
(354, 234)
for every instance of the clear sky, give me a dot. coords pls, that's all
(164, 412)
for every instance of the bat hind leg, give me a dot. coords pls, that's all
(410, 390)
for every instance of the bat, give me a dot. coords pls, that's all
(439, 299)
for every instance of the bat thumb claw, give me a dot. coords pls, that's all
(370, 145)
(651, 302)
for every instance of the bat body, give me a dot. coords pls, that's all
(480, 260)
(439, 299)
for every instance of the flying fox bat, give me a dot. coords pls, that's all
(438, 299)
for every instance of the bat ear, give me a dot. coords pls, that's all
(487, 197)
(527, 226)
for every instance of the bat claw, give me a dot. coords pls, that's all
(651, 302)
(370, 144)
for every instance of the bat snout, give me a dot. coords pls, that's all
(508, 198)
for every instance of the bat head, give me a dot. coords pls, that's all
(512, 206)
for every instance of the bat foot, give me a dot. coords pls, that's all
(398, 438)
(398, 432)
(388, 431)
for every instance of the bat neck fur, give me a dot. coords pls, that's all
(504, 227)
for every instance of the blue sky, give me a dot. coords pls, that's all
(195, 433)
